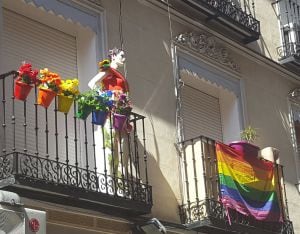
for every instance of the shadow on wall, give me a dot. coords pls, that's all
(289, 174)
(165, 202)
(260, 47)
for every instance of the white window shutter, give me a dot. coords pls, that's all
(201, 114)
(28, 40)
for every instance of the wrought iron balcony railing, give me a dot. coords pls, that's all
(53, 156)
(236, 15)
(201, 209)
(289, 50)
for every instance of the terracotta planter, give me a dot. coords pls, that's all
(45, 97)
(245, 148)
(22, 90)
(64, 103)
(119, 121)
(83, 111)
(99, 117)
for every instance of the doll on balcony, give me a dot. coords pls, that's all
(110, 79)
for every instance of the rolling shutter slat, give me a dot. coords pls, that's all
(201, 114)
(25, 39)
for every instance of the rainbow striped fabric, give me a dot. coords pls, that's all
(248, 186)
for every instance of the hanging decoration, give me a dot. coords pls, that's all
(25, 81)
(49, 87)
(68, 91)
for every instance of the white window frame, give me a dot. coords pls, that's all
(88, 28)
(222, 78)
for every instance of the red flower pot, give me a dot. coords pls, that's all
(22, 90)
(45, 97)
(245, 148)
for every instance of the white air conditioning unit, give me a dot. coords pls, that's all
(15, 219)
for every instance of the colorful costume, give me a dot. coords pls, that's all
(115, 81)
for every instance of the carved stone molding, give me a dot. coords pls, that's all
(207, 46)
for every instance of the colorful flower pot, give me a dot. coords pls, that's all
(22, 90)
(45, 97)
(245, 148)
(99, 117)
(119, 121)
(83, 111)
(64, 103)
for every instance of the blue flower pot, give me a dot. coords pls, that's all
(99, 117)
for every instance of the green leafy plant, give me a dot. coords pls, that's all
(91, 100)
(249, 134)
(86, 103)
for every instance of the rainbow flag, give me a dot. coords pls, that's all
(248, 186)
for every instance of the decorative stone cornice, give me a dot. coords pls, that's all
(207, 46)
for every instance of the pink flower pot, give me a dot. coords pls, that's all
(245, 148)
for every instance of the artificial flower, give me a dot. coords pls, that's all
(122, 104)
(26, 74)
(105, 64)
(69, 87)
(50, 80)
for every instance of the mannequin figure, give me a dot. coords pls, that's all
(110, 79)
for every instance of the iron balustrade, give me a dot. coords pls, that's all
(289, 50)
(202, 210)
(56, 152)
(289, 19)
(241, 14)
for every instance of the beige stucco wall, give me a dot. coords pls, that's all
(267, 108)
(270, 39)
(149, 66)
(149, 71)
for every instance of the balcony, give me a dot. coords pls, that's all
(289, 54)
(234, 19)
(56, 157)
(201, 210)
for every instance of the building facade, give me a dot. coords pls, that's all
(199, 72)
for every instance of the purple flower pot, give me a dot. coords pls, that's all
(245, 148)
(119, 121)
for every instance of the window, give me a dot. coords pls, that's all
(211, 101)
(69, 47)
(289, 21)
(201, 113)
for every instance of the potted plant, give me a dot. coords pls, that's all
(122, 110)
(246, 147)
(87, 102)
(49, 87)
(68, 91)
(101, 107)
(26, 79)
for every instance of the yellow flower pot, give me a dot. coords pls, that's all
(64, 103)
